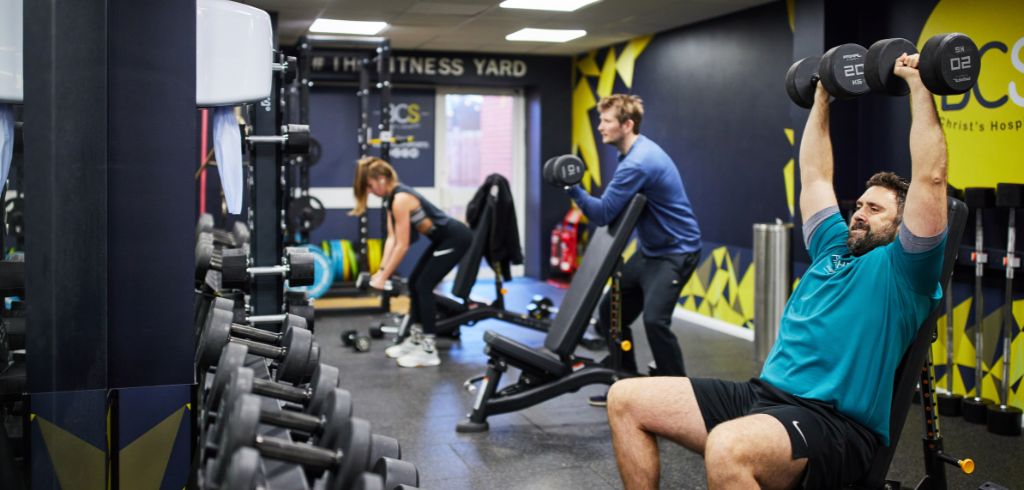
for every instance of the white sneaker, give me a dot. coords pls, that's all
(405, 347)
(423, 355)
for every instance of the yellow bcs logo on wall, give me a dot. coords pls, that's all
(985, 127)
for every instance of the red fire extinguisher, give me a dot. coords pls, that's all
(556, 238)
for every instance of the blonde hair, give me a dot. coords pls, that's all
(369, 168)
(627, 107)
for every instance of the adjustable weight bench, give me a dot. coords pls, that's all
(553, 370)
(465, 311)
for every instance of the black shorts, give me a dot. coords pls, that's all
(838, 450)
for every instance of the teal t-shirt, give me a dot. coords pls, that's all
(849, 321)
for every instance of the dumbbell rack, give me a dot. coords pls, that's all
(279, 474)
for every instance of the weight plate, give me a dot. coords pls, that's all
(338, 258)
(375, 250)
(842, 71)
(351, 260)
(305, 214)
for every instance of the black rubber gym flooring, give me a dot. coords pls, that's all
(565, 443)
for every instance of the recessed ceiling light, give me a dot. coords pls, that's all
(546, 35)
(556, 5)
(335, 26)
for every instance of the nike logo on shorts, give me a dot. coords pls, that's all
(443, 252)
(796, 423)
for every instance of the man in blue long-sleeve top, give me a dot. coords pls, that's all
(669, 238)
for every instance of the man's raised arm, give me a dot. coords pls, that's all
(816, 191)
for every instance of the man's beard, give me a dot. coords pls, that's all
(871, 239)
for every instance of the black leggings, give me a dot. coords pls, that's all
(447, 246)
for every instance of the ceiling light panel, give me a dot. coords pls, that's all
(553, 5)
(546, 35)
(337, 26)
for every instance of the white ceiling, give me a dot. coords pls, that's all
(480, 25)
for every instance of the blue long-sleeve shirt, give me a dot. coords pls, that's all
(667, 225)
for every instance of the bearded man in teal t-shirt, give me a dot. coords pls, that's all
(816, 415)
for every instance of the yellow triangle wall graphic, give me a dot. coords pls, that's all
(606, 83)
(144, 460)
(583, 133)
(789, 176)
(77, 463)
(627, 59)
(588, 64)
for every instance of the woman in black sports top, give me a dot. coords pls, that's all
(411, 215)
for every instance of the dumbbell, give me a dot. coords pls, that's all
(243, 473)
(298, 315)
(322, 427)
(541, 307)
(363, 284)
(226, 308)
(840, 70)
(236, 270)
(324, 379)
(287, 66)
(351, 338)
(563, 171)
(345, 461)
(949, 64)
(294, 139)
(238, 236)
(325, 429)
(298, 355)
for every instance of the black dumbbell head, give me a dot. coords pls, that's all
(204, 255)
(348, 337)
(216, 332)
(295, 364)
(949, 64)
(369, 481)
(241, 233)
(980, 197)
(337, 411)
(298, 139)
(841, 71)
(354, 442)
(293, 69)
(232, 357)
(801, 78)
(1010, 195)
(234, 268)
(382, 446)
(397, 472)
(244, 471)
(300, 267)
(204, 223)
(566, 170)
(546, 171)
(239, 430)
(325, 379)
(880, 63)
